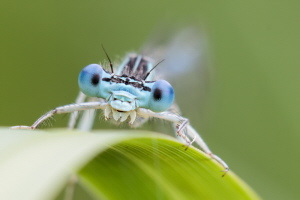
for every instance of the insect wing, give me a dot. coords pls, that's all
(182, 52)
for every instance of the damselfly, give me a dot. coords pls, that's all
(131, 94)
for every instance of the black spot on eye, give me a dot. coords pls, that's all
(95, 79)
(157, 94)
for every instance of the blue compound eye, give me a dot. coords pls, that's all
(89, 80)
(162, 96)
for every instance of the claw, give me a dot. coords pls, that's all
(187, 147)
(124, 116)
(225, 171)
(132, 117)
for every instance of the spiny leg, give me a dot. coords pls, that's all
(64, 109)
(192, 132)
(188, 130)
(145, 114)
(169, 116)
(181, 125)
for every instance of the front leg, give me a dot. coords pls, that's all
(180, 122)
(185, 130)
(64, 109)
(205, 148)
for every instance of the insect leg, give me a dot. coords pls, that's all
(181, 125)
(205, 148)
(169, 116)
(64, 109)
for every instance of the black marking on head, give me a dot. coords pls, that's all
(157, 94)
(128, 81)
(132, 77)
(147, 88)
(116, 79)
(95, 79)
(136, 84)
(106, 79)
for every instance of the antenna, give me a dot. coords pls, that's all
(153, 69)
(111, 65)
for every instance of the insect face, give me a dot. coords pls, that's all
(125, 93)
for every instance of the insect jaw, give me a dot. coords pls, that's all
(121, 105)
(119, 115)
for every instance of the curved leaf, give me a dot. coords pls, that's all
(110, 165)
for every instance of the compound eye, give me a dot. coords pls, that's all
(89, 79)
(162, 96)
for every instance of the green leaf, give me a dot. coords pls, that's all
(109, 165)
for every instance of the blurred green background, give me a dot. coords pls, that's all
(251, 112)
